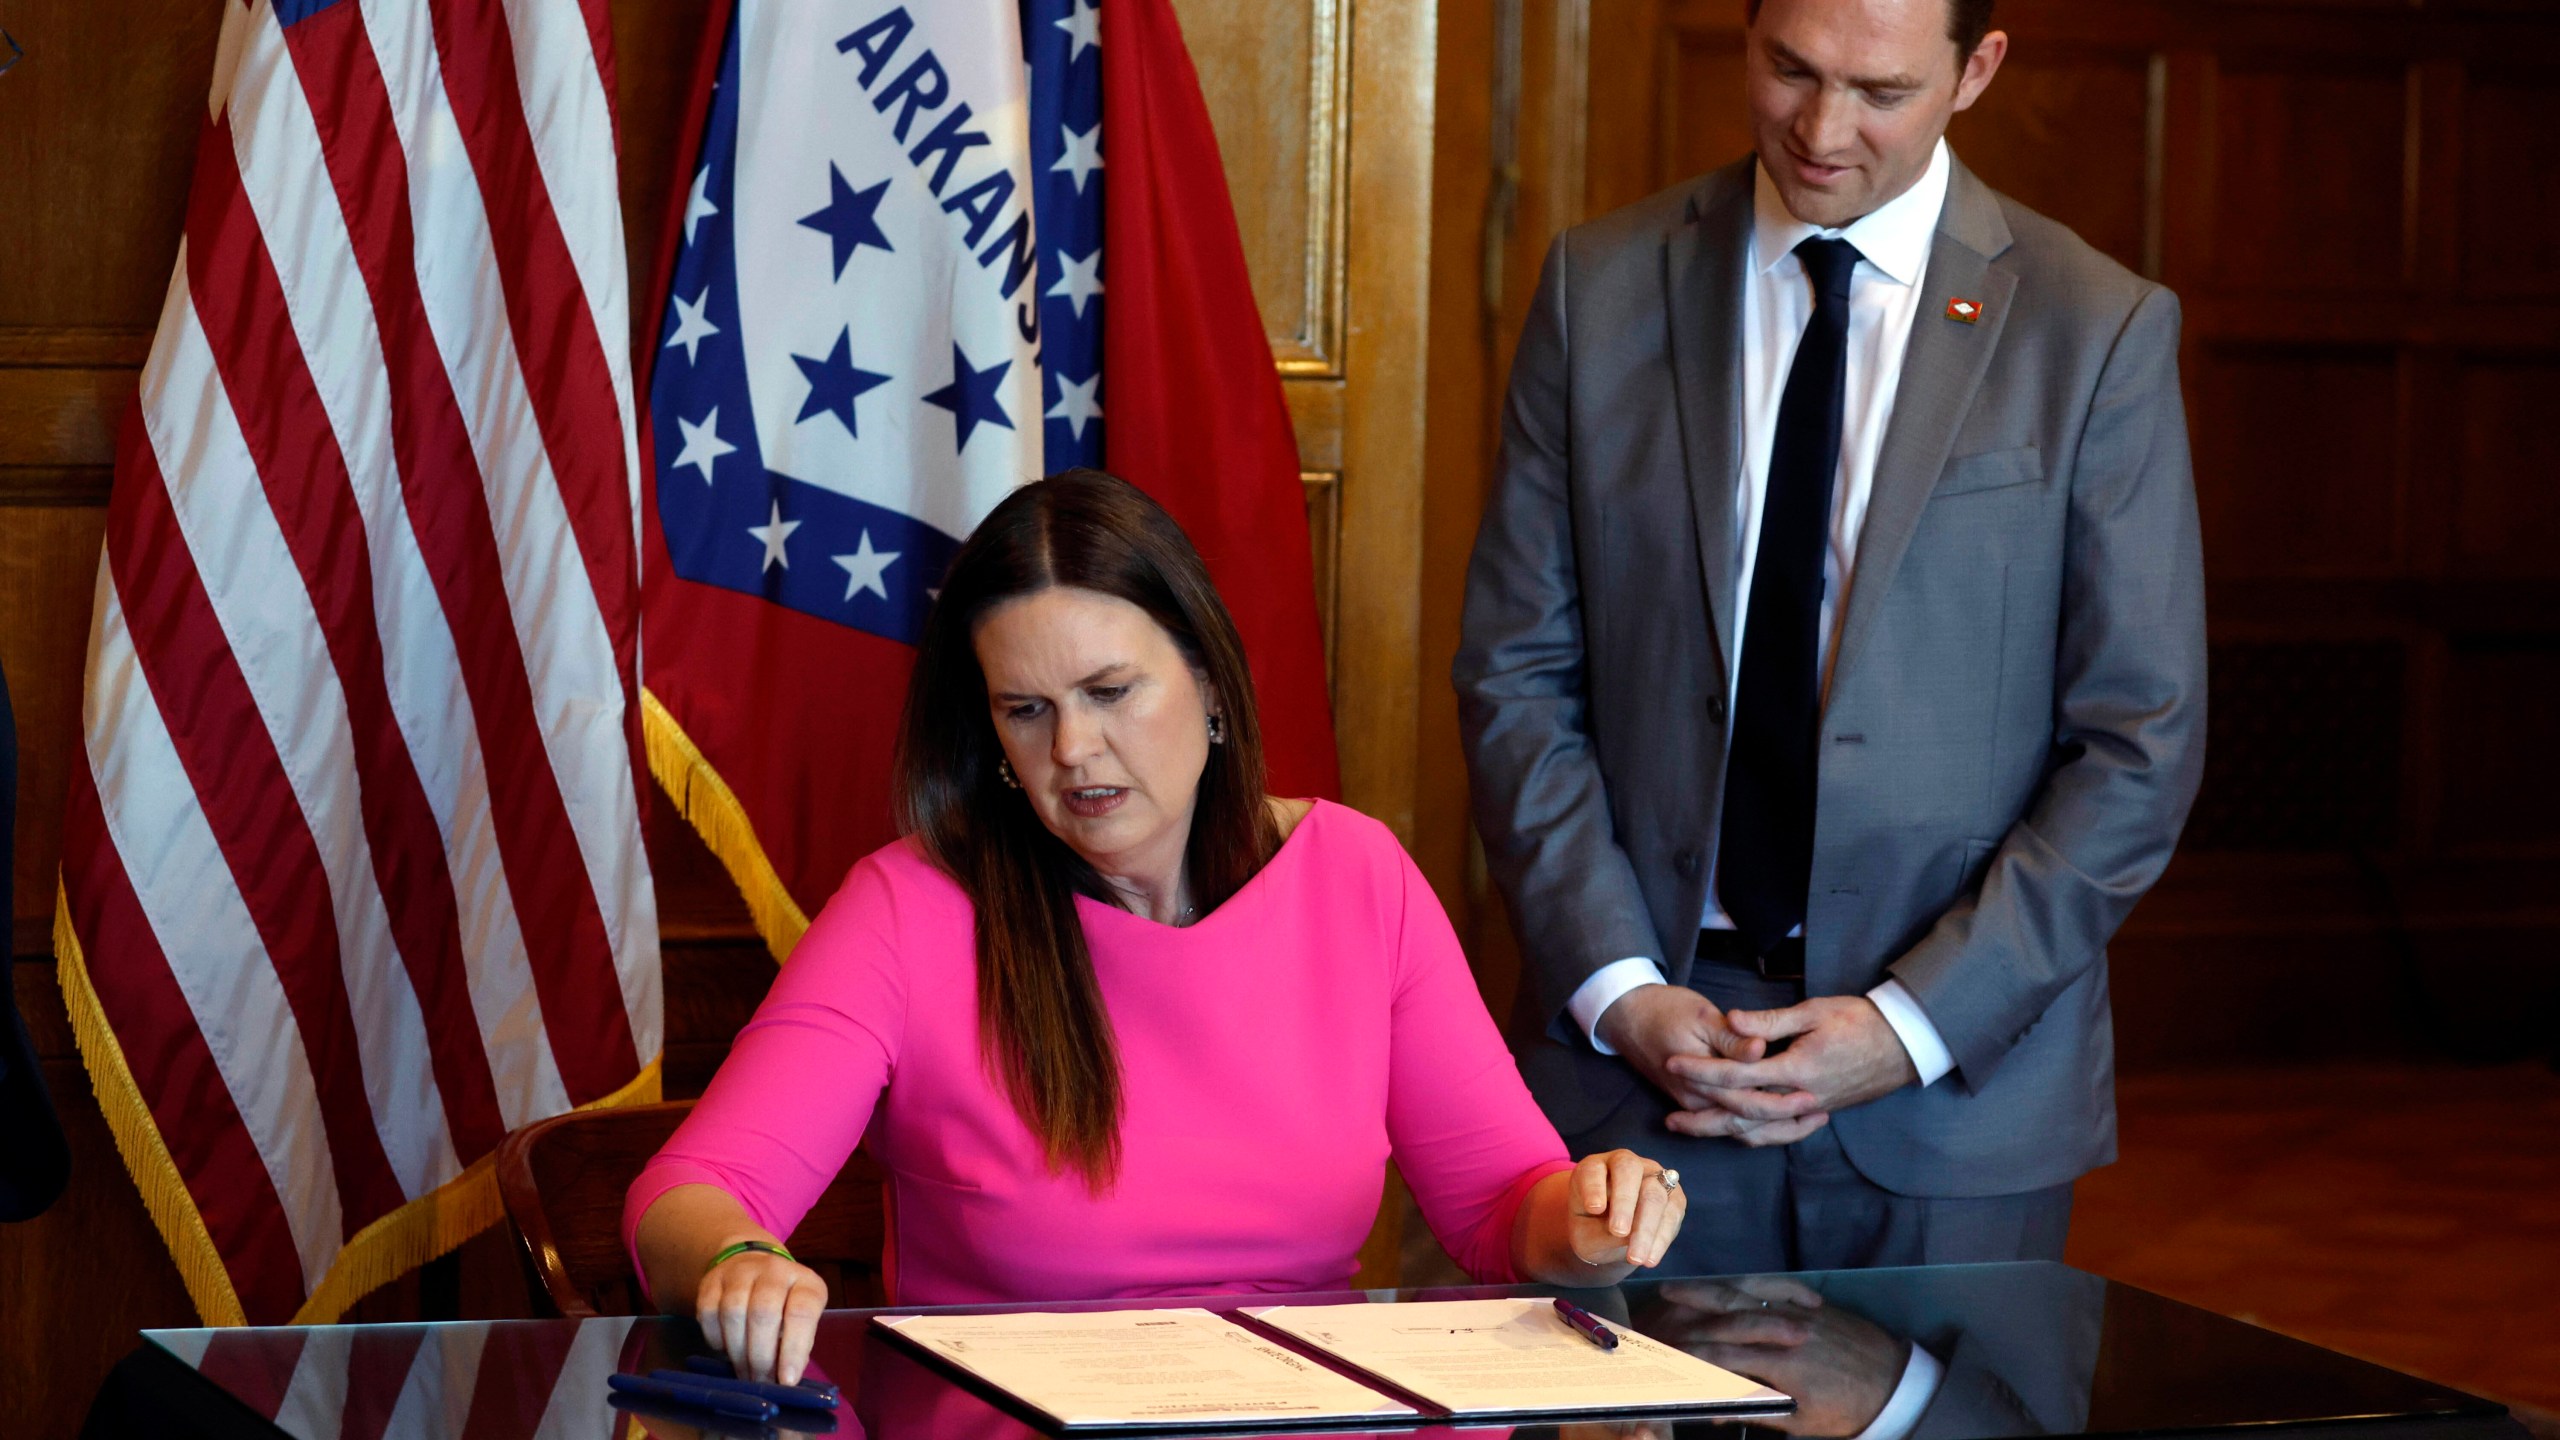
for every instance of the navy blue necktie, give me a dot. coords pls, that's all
(1764, 860)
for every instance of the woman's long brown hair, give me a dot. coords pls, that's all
(1041, 1025)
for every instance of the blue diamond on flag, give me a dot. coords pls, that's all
(887, 307)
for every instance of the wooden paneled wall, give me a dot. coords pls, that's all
(98, 128)
(2360, 205)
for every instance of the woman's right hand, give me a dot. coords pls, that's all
(762, 1312)
(1622, 1210)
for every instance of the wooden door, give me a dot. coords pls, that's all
(1323, 116)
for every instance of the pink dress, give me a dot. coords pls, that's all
(1273, 1056)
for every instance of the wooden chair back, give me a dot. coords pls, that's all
(562, 1182)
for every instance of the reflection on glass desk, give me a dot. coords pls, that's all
(2011, 1350)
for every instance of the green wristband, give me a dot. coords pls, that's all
(761, 1247)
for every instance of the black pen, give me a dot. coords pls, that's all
(701, 1396)
(797, 1397)
(1593, 1328)
(714, 1365)
(692, 1417)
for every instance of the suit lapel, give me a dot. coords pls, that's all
(1703, 262)
(1941, 372)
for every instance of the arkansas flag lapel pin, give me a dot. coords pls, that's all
(1968, 311)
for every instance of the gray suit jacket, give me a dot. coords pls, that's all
(2015, 724)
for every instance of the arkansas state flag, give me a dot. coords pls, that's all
(904, 282)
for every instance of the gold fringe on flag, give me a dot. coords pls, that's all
(146, 1155)
(428, 1227)
(433, 1224)
(706, 801)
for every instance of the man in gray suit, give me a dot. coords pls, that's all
(1832, 673)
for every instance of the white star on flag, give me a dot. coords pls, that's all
(1082, 156)
(864, 567)
(1076, 404)
(692, 328)
(698, 204)
(773, 533)
(1079, 280)
(1083, 26)
(702, 443)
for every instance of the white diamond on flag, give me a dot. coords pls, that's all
(861, 239)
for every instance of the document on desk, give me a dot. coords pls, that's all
(1156, 1369)
(1495, 1357)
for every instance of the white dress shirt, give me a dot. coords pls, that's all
(1884, 297)
(1922, 1374)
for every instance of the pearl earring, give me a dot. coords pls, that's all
(1004, 771)
(1217, 730)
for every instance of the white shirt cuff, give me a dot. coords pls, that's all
(1920, 1380)
(1929, 1053)
(1606, 985)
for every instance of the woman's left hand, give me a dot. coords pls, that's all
(1622, 1209)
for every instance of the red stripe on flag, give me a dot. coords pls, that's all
(240, 784)
(556, 905)
(378, 1361)
(256, 1370)
(519, 1368)
(173, 1067)
(556, 343)
(241, 305)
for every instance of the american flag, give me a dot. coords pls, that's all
(352, 878)
(549, 1380)
(521, 1380)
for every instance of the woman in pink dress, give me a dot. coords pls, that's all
(1117, 1022)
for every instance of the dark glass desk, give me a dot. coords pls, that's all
(2023, 1350)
